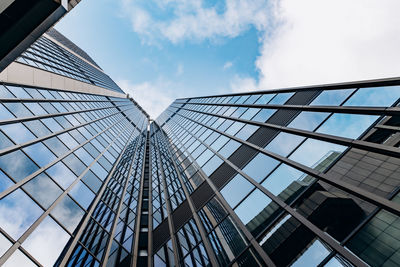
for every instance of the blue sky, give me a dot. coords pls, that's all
(183, 69)
(161, 50)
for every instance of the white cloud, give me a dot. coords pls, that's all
(191, 20)
(323, 41)
(243, 84)
(303, 42)
(227, 65)
(153, 97)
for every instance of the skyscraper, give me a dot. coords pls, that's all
(23, 21)
(291, 177)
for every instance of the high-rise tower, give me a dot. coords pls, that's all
(292, 177)
(23, 21)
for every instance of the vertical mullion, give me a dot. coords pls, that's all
(203, 235)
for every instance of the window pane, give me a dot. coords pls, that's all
(264, 115)
(21, 168)
(17, 213)
(40, 154)
(314, 152)
(286, 182)
(17, 132)
(308, 120)
(280, 98)
(228, 149)
(5, 182)
(246, 131)
(61, 174)
(82, 194)
(68, 213)
(46, 242)
(305, 249)
(375, 96)
(260, 166)
(252, 206)
(284, 143)
(19, 259)
(236, 190)
(5, 244)
(43, 190)
(332, 97)
(347, 125)
(212, 165)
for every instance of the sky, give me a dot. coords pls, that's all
(160, 50)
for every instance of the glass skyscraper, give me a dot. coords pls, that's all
(292, 177)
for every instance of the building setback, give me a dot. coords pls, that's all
(292, 177)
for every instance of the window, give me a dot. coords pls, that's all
(43, 190)
(284, 143)
(40, 154)
(375, 96)
(285, 182)
(18, 213)
(19, 259)
(21, 168)
(228, 149)
(332, 97)
(61, 174)
(252, 206)
(236, 190)
(68, 213)
(313, 152)
(212, 165)
(82, 194)
(48, 237)
(260, 166)
(17, 132)
(347, 125)
(308, 120)
(280, 99)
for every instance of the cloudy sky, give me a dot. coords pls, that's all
(159, 50)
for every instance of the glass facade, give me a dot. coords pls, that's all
(285, 178)
(293, 177)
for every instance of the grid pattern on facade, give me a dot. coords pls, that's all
(58, 149)
(47, 55)
(267, 165)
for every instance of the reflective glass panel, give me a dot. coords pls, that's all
(375, 96)
(46, 242)
(17, 213)
(236, 190)
(260, 166)
(347, 125)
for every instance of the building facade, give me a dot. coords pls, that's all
(291, 177)
(22, 22)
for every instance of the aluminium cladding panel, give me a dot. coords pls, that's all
(160, 235)
(22, 22)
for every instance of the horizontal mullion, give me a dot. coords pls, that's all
(53, 115)
(36, 100)
(69, 70)
(230, 210)
(388, 111)
(44, 168)
(363, 194)
(86, 219)
(327, 239)
(26, 234)
(43, 138)
(388, 127)
(373, 147)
